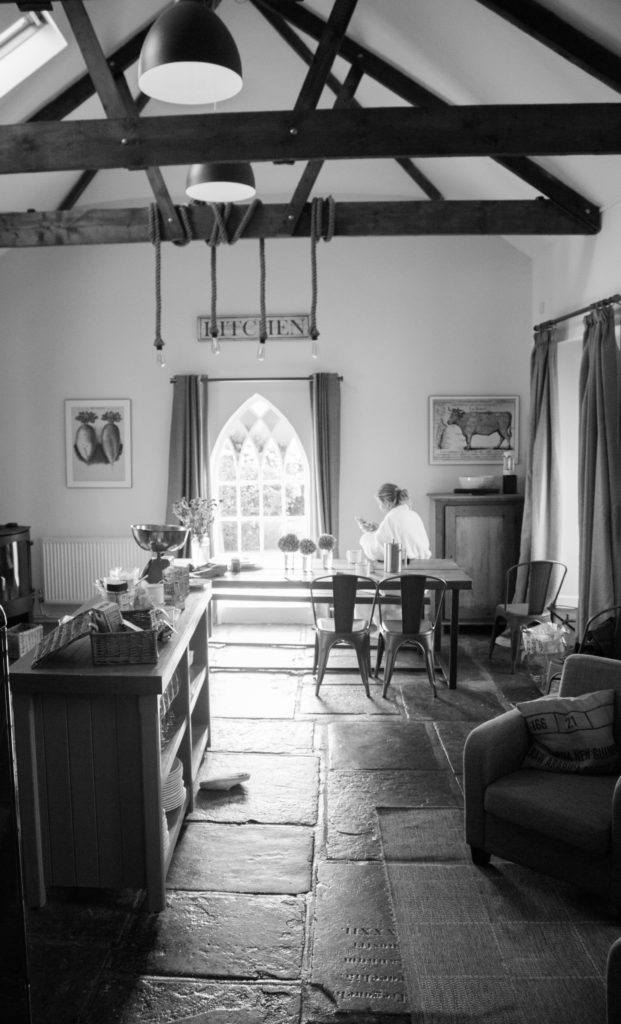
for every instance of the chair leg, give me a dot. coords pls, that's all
(322, 661)
(380, 652)
(516, 638)
(315, 654)
(363, 656)
(498, 628)
(431, 667)
(391, 656)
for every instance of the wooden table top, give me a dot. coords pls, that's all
(276, 579)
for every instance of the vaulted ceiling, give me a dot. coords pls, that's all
(421, 117)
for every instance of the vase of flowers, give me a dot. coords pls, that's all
(197, 514)
(326, 543)
(307, 550)
(289, 544)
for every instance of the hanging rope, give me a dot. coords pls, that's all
(317, 205)
(262, 313)
(184, 217)
(219, 234)
(156, 239)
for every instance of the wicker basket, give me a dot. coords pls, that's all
(144, 618)
(22, 638)
(125, 647)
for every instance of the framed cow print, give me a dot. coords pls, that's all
(472, 428)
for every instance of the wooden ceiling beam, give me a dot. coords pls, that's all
(561, 37)
(116, 226)
(299, 47)
(377, 132)
(323, 58)
(413, 92)
(313, 167)
(117, 102)
(83, 88)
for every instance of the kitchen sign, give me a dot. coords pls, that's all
(280, 327)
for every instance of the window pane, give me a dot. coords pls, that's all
(272, 500)
(293, 462)
(229, 536)
(294, 499)
(249, 495)
(273, 529)
(250, 535)
(248, 463)
(228, 499)
(272, 462)
(226, 467)
(296, 525)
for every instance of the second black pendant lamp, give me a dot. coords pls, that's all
(221, 182)
(189, 57)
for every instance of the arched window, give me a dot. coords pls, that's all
(260, 473)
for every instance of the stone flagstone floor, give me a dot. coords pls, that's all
(278, 909)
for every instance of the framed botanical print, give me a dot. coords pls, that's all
(98, 442)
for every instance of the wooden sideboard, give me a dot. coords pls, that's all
(94, 747)
(482, 534)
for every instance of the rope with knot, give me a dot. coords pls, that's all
(219, 234)
(316, 232)
(156, 239)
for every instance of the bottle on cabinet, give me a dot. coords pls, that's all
(509, 479)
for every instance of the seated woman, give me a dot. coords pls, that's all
(400, 524)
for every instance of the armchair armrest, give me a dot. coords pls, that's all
(492, 749)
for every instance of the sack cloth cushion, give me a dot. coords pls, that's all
(576, 810)
(572, 734)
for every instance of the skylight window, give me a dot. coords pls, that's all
(26, 44)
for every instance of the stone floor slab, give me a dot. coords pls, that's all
(226, 935)
(259, 695)
(356, 957)
(353, 830)
(282, 789)
(143, 1000)
(276, 737)
(466, 703)
(453, 737)
(63, 979)
(422, 833)
(386, 744)
(248, 657)
(242, 858)
(342, 699)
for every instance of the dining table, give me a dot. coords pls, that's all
(258, 584)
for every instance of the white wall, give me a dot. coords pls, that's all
(401, 319)
(569, 275)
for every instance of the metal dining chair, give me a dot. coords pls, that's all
(539, 583)
(401, 604)
(342, 592)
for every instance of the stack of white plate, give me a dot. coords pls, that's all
(173, 790)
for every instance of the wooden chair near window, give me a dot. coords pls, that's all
(540, 582)
(401, 604)
(341, 592)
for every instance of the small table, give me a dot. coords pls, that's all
(274, 584)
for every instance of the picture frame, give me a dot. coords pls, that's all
(472, 428)
(98, 442)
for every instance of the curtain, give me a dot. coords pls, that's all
(188, 461)
(599, 469)
(541, 519)
(325, 396)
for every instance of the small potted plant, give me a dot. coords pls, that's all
(289, 543)
(307, 550)
(198, 515)
(326, 543)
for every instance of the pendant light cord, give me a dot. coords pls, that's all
(262, 313)
(315, 234)
(156, 239)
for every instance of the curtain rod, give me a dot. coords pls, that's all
(577, 312)
(253, 380)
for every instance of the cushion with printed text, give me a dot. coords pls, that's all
(572, 734)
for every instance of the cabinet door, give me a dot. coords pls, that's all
(484, 540)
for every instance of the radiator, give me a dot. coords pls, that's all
(72, 564)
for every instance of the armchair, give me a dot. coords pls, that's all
(562, 824)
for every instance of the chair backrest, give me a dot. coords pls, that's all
(602, 634)
(409, 590)
(536, 583)
(584, 673)
(343, 590)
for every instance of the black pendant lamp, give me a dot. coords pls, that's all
(220, 182)
(189, 56)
